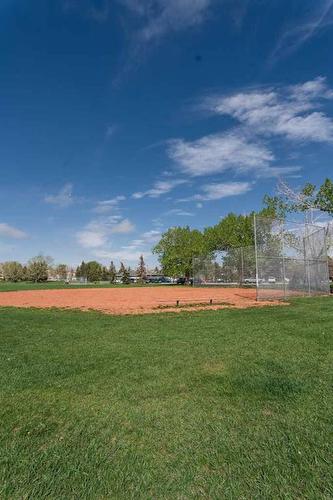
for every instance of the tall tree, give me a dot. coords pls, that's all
(105, 274)
(141, 271)
(25, 273)
(310, 197)
(177, 248)
(233, 231)
(112, 272)
(93, 271)
(61, 270)
(81, 271)
(78, 272)
(124, 273)
(38, 268)
(12, 271)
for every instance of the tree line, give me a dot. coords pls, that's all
(93, 271)
(40, 269)
(36, 270)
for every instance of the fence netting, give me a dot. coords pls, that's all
(291, 258)
(233, 267)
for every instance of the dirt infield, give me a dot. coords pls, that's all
(133, 300)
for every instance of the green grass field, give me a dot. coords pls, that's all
(232, 404)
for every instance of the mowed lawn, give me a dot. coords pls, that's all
(214, 404)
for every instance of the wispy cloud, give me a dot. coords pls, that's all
(90, 238)
(160, 17)
(124, 255)
(11, 232)
(147, 238)
(159, 188)
(123, 227)
(63, 198)
(154, 19)
(106, 206)
(217, 191)
(132, 251)
(320, 17)
(97, 232)
(179, 212)
(291, 112)
(218, 153)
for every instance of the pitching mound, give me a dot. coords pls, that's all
(134, 300)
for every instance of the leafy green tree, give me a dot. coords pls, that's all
(112, 272)
(81, 271)
(12, 271)
(38, 268)
(61, 270)
(233, 231)
(78, 272)
(177, 248)
(308, 198)
(324, 197)
(93, 271)
(141, 271)
(125, 274)
(105, 274)
(25, 273)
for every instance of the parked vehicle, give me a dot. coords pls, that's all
(184, 281)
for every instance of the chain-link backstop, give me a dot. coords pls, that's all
(291, 258)
(233, 267)
(287, 259)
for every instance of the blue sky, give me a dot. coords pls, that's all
(121, 118)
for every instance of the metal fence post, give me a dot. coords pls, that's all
(256, 254)
(283, 264)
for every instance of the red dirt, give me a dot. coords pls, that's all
(133, 300)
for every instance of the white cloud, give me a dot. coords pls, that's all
(62, 199)
(179, 212)
(132, 251)
(320, 16)
(312, 89)
(123, 227)
(217, 191)
(105, 206)
(11, 232)
(159, 188)
(218, 153)
(160, 17)
(91, 239)
(151, 236)
(97, 232)
(291, 112)
(123, 255)
(147, 238)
